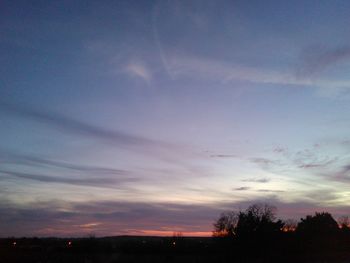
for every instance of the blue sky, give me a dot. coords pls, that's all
(129, 117)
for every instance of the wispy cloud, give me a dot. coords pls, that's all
(342, 175)
(346, 168)
(224, 72)
(140, 70)
(243, 188)
(311, 166)
(223, 156)
(175, 153)
(326, 195)
(263, 161)
(32, 160)
(257, 180)
(88, 175)
(71, 125)
(320, 164)
(311, 159)
(280, 149)
(315, 60)
(270, 191)
(97, 181)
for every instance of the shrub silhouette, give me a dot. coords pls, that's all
(257, 220)
(290, 225)
(344, 223)
(318, 232)
(226, 225)
(320, 224)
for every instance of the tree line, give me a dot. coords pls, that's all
(258, 229)
(260, 219)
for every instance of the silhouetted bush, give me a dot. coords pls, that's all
(258, 221)
(318, 225)
(318, 232)
(226, 225)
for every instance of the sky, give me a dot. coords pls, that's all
(153, 117)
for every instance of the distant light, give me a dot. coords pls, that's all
(14, 243)
(174, 243)
(69, 243)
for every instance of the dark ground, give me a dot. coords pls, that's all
(166, 249)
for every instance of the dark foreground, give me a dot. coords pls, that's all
(167, 249)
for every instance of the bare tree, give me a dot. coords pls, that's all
(289, 225)
(226, 224)
(344, 222)
(257, 218)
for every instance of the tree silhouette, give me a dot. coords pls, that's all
(258, 220)
(226, 224)
(320, 224)
(344, 223)
(290, 225)
(318, 232)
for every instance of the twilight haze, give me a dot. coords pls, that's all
(153, 117)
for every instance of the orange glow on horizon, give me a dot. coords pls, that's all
(171, 233)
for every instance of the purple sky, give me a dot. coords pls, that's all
(153, 117)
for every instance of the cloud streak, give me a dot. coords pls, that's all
(343, 174)
(310, 160)
(270, 191)
(243, 188)
(71, 125)
(139, 70)
(224, 73)
(98, 181)
(37, 161)
(257, 180)
(317, 59)
(174, 153)
(223, 156)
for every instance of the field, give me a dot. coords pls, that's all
(157, 249)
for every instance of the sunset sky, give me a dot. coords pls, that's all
(153, 117)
